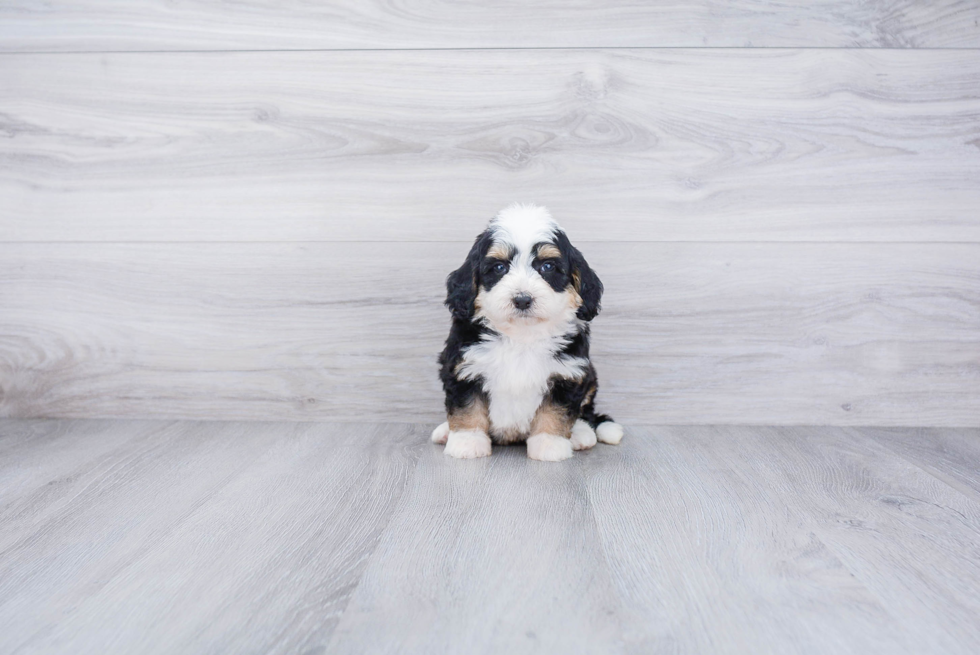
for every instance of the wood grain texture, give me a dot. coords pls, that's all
(790, 531)
(846, 334)
(880, 513)
(208, 25)
(41, 461)
(685, 516)
(203, 537)
(950, 455)
(197, 537)
(634, 145)
(440, 582)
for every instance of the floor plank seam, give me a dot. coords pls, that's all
(493, 49)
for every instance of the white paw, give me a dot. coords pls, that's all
(441, 433)
(609, 432)
(467, 444)
(548, 447)
(583, 436)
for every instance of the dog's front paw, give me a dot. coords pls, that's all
(549, 447)
(583, 436)
(441, 433)
(468, 444)
(609, 432)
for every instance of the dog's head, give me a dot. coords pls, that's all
(521, 272)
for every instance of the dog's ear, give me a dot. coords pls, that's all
(462, 284)
(586, 282)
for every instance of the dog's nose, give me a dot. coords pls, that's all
(523, 301)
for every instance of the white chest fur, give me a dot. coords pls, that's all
(516, 375)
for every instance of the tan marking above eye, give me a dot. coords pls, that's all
(499, 251)
(548, 251)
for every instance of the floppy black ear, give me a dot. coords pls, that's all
(461, 285)
(586, 282)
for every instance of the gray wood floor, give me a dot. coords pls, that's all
(247, 211)
(210, 537)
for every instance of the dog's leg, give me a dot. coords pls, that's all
(468, 427)
(609, 432)
(468, 444)
(606, 430)
(441, 433)
(550, 434)
(583, 436)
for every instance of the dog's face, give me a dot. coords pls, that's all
(523, 274)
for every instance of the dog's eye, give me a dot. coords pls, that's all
(547, 267)
(499, 267)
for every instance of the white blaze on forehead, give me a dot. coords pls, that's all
(523, 226)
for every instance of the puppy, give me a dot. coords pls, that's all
(516, 364)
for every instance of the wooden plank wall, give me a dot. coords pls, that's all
(223, 211)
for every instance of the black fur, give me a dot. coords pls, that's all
(589, 287)
(461, 289)
(462, 283)
(460, 393)
(576, 397)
